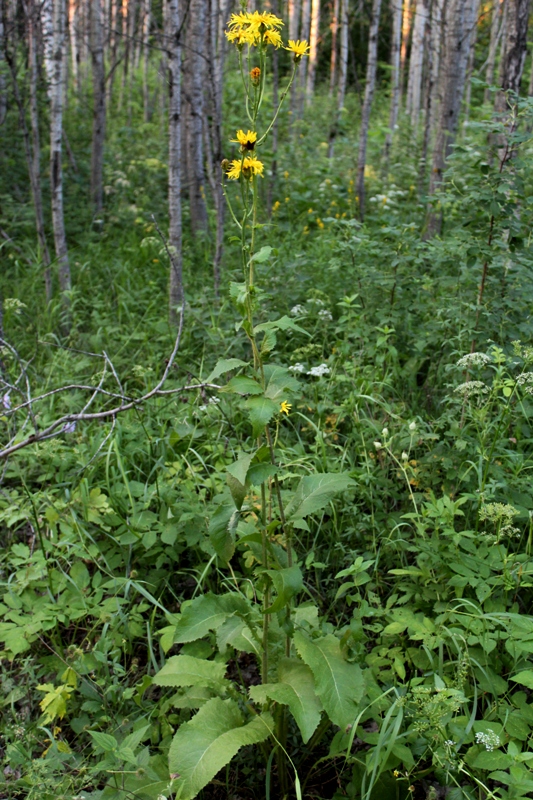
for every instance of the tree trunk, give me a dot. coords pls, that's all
(395, 75)
(147, 21)
(313, 50)
(416, 62)
(173, 47)
(302, 71)
(193, 112)
(459, 22)
(514, 53)
(99, 108)
(47, 28)
(471, 59)
(496, 30)
(3, 95)
(333, 62)
(406, 30)
(431, 98)
(343, 75)
(294, 8)
(56, 137)
(370, 85)
(73, 24)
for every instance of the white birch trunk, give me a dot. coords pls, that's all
(99, 107)
(173, 46)
(73, 24)
(459, 21)
(313, 50)
(194, 76)
(302, 71)
(147, 22)
(343, 74)
(514, 51)
(370, 86)
(56, 138)
(416, 63)
(47, 28)
(395, 74)
(406, 31)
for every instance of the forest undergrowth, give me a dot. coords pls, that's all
(324, 556)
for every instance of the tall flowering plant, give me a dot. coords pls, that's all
(306, 682)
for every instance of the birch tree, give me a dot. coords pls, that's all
(173, 50)
(370, 86)
(406, 31)
(147, 22)
(416, 62)
(313, 49)
(194, 75)
(99, 106)
(514, 52)
(459, 21)
(395, 74)
(56, 137)
(343, 74)
(496, 30)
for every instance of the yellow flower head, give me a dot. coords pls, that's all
(250, 28)
(247, 167)
(285, 408)
(246, 140)
(299, 48)
(272, 37)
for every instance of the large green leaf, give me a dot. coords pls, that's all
(191, 671)
(261, 411)
(339, 685)
(206, 743)
(241, 384)
(287, 582)
(295, 689)
(237, 633)
(279, 381)
(525, 678)
(207, 613)
(223, 525)
(225, 365)
(314, 492)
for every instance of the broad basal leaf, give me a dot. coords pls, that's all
(295, 689)
(261, 411)
(287, 582)
(224, 523)
(241, 384)
(525, 678)
(314, 492)
(225, 365)
(207, 613)
(208, 742)
(339, 684)
(191, 671)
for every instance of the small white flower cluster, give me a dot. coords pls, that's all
(297, 367)
(212, 401)
(316, 301)
(474, 360)
(472, 389)
(489, 740)
(449, 743)
(317, 372)
(325, 315)
(525, 379)
(6, 402)
(298, 310)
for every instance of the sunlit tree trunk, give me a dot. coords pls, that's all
(496, 30)
(370, 86)
(173, 49)
(99, 107)
(395, 74)
(416, 62)
(73, 9)
(313, 49)
(274, 136)
(56, 137)
(294, 10)
(431, 95)
(471, 59)
(406, 31)
(194, 73)
(113, 50)
(459, 21)
(334, 25)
